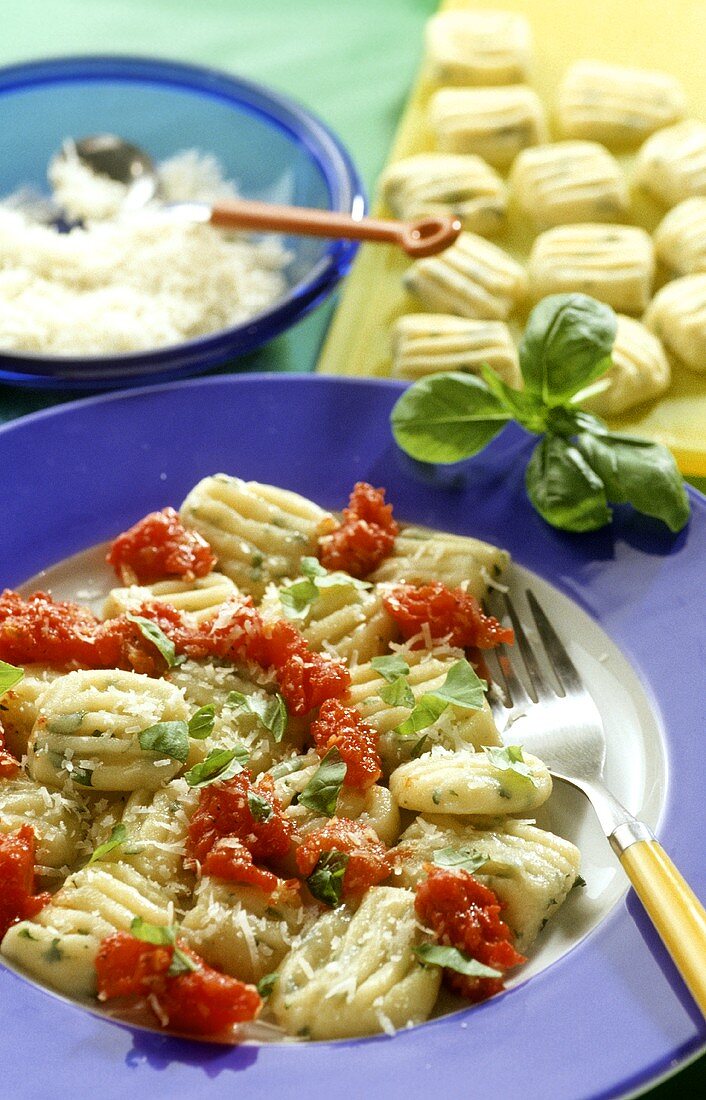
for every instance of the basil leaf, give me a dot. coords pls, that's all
(425, 713)
(323, 578)
(563, 487)
(432, 954)
(167, 739)
(640, 473)
(9, 676)
(462, 687)
(157, 637)
(447, 417)
(398, 693)
(180, 964)
(271, 710)
(118, 836)
(510, 759)
(459, 858)
(322, 790)
(326, 880)
(267, 984)
(419, 748)
(287, 767)
(390, 668)
(160, 934)
(297, 598)
(259, 807)
(566, 345)
(219, 765)
(201, 722)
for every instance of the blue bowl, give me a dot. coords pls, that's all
(274, 150)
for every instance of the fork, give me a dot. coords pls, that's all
(566, 732)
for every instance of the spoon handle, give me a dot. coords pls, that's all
(420, 238)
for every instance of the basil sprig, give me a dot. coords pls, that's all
(9, 676)
(578, 468)
(394, 670)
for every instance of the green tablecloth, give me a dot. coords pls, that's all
(352, 63)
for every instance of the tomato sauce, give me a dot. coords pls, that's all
(199, 1002)
(465, 914)
(227, 839)
(158, 547)
(356, 740)
(449, 613)
(365, 536)
(18, 900)
(368, 858)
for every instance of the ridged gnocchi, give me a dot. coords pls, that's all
(677, 315)
(493, 123)
(357, 973)
(201, 597)
(437, 184)
(424, 343)
(87, 731)
(569, 181)
(478, 47)
(671, 165)
(614, 263)
(472, 278)
(639, 370)
(419, 556)
(616, 104)
(680, 238)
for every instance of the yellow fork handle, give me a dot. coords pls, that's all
(674, 909)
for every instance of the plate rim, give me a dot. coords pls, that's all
(685, 1051)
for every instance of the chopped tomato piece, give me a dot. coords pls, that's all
(201, 1001)
(368, 859)
(235, 824)
(306, 679)
(160, 546)
(448, 612)
(364, 537)
(17, 898)
(9, 766)
(465, 914)
(355, 739)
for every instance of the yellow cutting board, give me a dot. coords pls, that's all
(660, 34)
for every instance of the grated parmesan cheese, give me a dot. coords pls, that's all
(143, 279)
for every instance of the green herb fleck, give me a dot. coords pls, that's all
(117, 837)
(271, 710)
(9, 676)
(460, 859)
(167, 739)
(511, 760)
(53, 952)
(152, 633)
(219, 765)
(432, 954)
(322, 790)
(201, 722)
(267, 984)
(259, 807)
(65, 724)
(326, 880)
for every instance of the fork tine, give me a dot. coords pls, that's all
(540, 686)
(566, 674)
(515, 692)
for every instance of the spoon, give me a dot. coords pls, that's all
(112, 156)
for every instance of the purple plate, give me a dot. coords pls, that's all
(611, 1016)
